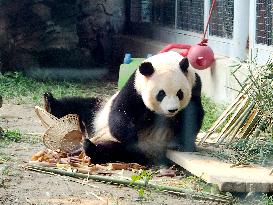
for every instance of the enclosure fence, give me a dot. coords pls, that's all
(187, 15)
(235, 26)
(222, 19)
(264, 22)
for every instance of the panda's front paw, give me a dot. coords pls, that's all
(181, 148)
(174, 146)
(191, 148)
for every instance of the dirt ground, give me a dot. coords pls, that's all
(20, 186)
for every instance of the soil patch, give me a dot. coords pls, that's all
(20, 186)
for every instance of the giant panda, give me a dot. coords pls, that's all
(158, 108)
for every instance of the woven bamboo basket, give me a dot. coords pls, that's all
(62, 134)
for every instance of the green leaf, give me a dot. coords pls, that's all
(141, 192)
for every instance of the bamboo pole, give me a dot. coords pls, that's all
(252, 121)
(260, 128)
(222, 118)
(140, 183)
(235, 125)
(239, 123)
(226, 130)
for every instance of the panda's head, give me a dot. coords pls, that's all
(165, 83)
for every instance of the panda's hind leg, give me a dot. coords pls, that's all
(103, 152)
(48, 98)
(111, 151)
(86, 108)
(57, 108)
(89, 148)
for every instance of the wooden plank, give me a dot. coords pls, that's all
(228, 178)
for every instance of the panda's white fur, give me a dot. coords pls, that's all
(155, 138)
(102, 116)
(169, 77)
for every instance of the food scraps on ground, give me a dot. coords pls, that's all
(80, 163)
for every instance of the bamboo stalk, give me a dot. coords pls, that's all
(226, 130)
(239, 123)
(222, 118)
(235, 126)
(253, 120)
(260, 128)
(140, 183)
(235, 116)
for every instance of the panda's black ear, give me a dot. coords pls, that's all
(184, 65)
(146, 69)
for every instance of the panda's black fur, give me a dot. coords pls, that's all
(190, 120)
(85, 107)
(127, 117)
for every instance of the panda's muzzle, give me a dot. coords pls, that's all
(172, 111)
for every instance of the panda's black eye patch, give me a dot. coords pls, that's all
(180, 94)
(160, 95)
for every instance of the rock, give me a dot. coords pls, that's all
(42, 10)
(29, 29)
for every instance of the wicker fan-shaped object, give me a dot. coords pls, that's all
(47, 119)
(64, 133)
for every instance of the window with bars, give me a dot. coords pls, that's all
(164, 12)
(141, 11)
(186, 15)
(190, 15)
(135, 15)
(221, 23)
(264, 22)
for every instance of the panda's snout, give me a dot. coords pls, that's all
(173, 110)
(170, 105)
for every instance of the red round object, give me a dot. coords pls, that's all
(201, 56)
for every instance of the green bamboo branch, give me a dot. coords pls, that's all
(194, 194)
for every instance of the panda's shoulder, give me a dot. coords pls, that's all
(197, 84)
(128, 94)
(192, 76)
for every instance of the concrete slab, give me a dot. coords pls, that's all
(228, 178)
